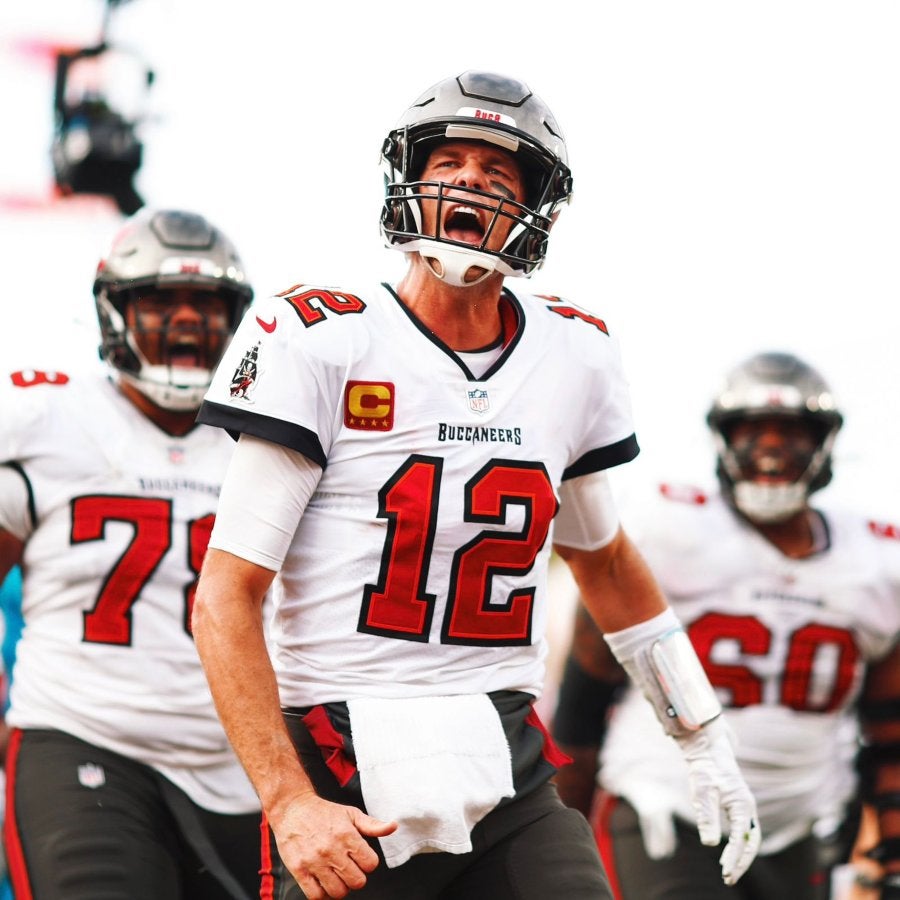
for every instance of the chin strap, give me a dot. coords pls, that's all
(177, 397)
(770, 502)
(458, 266)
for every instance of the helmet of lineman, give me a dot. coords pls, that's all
(156, 252)
(773, 385)
(478, 106)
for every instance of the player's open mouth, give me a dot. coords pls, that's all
(185, 354)
(462, 224)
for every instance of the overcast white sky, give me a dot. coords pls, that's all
(736, 177)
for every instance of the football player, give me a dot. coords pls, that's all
(794, 610)
(120, 780)
(403, 451)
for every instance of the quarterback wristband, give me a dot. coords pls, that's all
(660, 659)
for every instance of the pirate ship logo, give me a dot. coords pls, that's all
(245, 374)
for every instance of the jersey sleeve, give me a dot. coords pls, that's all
(881, 618)
(27, 423)
(607, 435)
(277, 381)
(25, 412)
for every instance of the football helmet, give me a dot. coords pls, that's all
(477, 106)
(773, 384)
(158, 251)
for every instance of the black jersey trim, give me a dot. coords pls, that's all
(32, 506)
(517, 311)
(604, 458)
(238, 422)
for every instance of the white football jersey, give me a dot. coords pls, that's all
(121, 514)
(785, 643)
(420, 564)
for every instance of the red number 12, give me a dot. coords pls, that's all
(398, 604)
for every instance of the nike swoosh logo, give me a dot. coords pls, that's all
(268, 327)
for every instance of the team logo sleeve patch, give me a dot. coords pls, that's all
(245, 374)
(369, 405)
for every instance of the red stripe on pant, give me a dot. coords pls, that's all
(15, 858)
(550, 751)
(601, 811)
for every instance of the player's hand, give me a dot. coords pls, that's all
(322, 845)
(656, 815)
(718, 786)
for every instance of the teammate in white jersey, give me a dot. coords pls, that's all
(403, 453)
(121, 781)
(794, 611)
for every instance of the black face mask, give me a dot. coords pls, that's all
(782, 452)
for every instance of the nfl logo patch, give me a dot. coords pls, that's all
(90, 775)
(478, 400)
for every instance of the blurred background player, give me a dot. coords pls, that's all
(794, 612)
(120, 780)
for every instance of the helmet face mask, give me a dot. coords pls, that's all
(476, 106)
(160, 264)
(774, 424)
(773, 447)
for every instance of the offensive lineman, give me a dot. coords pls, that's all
(120, 780)
(402, 457)
(795, 613)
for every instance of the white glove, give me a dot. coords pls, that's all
(656, 814)
(717, 784)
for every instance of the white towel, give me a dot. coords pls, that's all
(435, 765)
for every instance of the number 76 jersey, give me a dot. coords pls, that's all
(419, 566)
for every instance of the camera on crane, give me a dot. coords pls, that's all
(96, 148)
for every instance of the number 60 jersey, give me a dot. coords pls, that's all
(785, 642)
(419, 565)
(116, 516)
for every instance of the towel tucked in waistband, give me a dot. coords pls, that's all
(435, 765)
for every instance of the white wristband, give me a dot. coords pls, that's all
(660, 659)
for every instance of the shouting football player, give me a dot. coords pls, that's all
(120, 779)
(403, 453)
